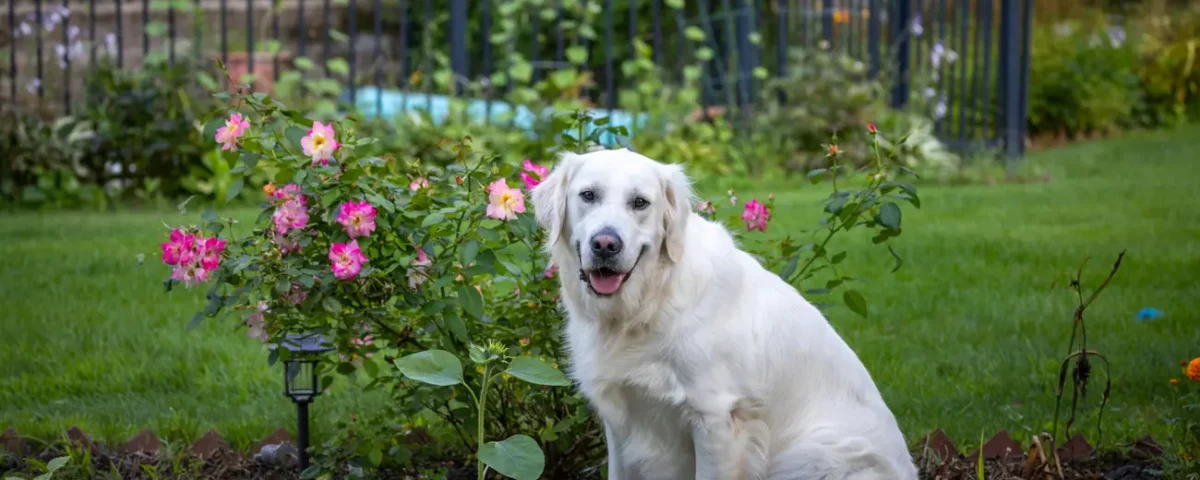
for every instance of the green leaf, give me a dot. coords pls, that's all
(457, 327)
(534, 370)
(294, 134)
(209, 215)
(577, 55)
(469, 251)
(470, 300)
(195, 322)
(432, 219)
(57, 463)
(856, 302)
(889, 216)
(899, 261)
(235, 189)
(704, 54)
(376, 457)
(435, 367)
(836, 204)
(338, 66)
(518, 456)
(676, 4)
(332, 305)
(837, 258)
(303, 63)
(210, 128)
(521, 71)
(790, 268)
(694, 34)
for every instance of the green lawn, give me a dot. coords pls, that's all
(966, 336)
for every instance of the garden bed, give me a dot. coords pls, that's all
(131, 466)
(274, 458)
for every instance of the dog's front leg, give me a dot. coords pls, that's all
(614, 444)
(730, 441)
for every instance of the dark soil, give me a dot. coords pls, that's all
(133, 466)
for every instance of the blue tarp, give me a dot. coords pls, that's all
(389, 104)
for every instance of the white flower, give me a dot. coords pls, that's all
(929, 92)
(939, 110)
(916, 28)
(33, 85)
(110, 44)
(25, 29)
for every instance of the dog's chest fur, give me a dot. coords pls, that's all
(636, 388)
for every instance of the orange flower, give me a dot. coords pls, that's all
(269, 189)
(841, 15)
(1193, 370)
(1174, 381)
(833, 149)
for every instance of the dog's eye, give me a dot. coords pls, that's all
(587, 195)
(640, 203)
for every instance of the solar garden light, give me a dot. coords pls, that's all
(300, 380)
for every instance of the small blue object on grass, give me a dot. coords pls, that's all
(1149, 313)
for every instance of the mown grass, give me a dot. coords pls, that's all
(967, 336)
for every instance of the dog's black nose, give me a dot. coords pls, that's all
(606, 243)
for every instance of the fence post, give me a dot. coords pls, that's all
(900, 36)
(873, 36)
(1026, 54)
(746, 61)
(458, 42)
(1010, 55)
(827, 21)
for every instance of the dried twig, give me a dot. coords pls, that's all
(1082, 371)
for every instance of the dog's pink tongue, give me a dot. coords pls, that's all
(605, 284)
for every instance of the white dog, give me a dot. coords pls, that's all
(700, 362)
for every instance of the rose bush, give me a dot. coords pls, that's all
(411, 270)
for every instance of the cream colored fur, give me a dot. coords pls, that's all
(704, 365)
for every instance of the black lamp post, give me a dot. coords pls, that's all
(300, 380)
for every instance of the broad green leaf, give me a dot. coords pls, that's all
(790, 268)
(517, 456)
(521, 71)
(577, 55)
(376, 457)
(303, 63)
(856, 302)
(470, 300)
(694, 34)
(704, 54)
(889, 216)
(210, 128)
(57, 463)
(435, 367)
(235, 189)
(533, 370)
(332, 305)
(469, 251)
(338, 66)
(676, 4)
(432, 219)
(294, 134)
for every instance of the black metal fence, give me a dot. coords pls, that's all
(966, 60)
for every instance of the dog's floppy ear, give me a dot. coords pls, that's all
(678, 191)
(550, 197)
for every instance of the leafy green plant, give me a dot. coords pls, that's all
(873, 205)
(49, 468)
(1086, 80)
(517, 456)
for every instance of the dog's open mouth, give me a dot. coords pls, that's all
(605, 281)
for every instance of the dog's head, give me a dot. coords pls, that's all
(612, 214)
